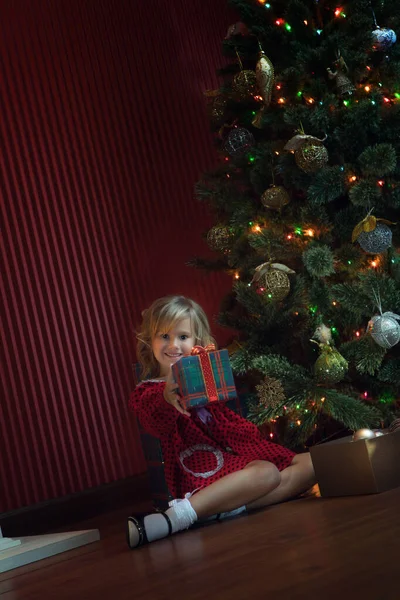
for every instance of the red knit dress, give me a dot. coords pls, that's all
(198, 451)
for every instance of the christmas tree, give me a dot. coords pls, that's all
(306, 201)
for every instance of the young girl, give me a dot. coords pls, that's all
(216, 462)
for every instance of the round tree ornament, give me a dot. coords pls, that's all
(373, 235)
(383, 39)
(385, 329)
(219, 238)
(275, 197)
(272, 279)
(311, 156)
(245, 84)
(330, 367)
(238, 142)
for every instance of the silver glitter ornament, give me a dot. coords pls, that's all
(385, 330)
(383, 39)
(238, 142)
(376, 241)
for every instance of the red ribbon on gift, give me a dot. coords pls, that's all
(206, 368)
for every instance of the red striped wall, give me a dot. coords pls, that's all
(103, 133)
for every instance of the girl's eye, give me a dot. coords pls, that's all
(164, 336)
(184, 337)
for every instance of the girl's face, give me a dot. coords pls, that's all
(169, 346)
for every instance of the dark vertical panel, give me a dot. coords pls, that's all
(103, 133)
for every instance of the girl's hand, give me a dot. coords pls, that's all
(172, 397)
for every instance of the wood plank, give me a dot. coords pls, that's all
(331, 547)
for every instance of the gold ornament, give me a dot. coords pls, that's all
(273, 279)
(363, 434)
(219, 238)
(330, 366)
(216, 105)
(270, 392)
(245, 84)
(265, 81)
(218, 109)
(311, 156)
(275, 197)
(344, 86)
(298, 140)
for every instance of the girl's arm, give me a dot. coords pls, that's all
(155, 414)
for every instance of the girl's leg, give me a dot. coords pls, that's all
(231, 492)
(256, 480)
(295, 479)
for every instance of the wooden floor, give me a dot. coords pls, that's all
(311, 548)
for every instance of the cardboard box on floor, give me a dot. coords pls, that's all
(347, 468)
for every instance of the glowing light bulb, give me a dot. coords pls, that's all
(358, 334)
(237, 276)
(381, 183)
(309, 232)
(367, 88)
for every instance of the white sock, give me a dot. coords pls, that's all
(181, 514)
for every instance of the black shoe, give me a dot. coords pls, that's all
(138, 523)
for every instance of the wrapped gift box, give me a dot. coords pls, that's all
(347, 468)
(204, 377)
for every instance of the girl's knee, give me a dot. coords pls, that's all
(265, 474)
(304, 464)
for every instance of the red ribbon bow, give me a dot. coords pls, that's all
(202, 349)
(206, 368)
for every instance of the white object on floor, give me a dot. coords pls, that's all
(37, 547)
(6, 543)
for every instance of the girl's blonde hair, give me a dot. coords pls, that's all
(161, 316)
